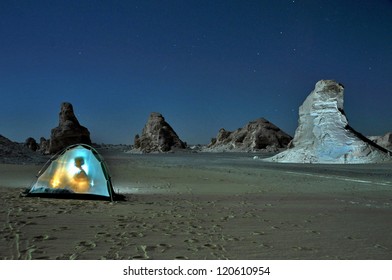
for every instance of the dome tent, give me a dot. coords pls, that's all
(76, 172)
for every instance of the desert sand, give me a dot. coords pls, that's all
(205, 206)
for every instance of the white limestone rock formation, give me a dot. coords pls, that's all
(257, 135)
(158, 136)
(323, 134)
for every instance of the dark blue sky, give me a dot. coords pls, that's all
(202, 64)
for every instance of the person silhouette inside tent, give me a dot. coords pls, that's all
(80, 181)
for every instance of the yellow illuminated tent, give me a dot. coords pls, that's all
(76, 172)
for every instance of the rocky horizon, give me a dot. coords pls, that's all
(256, 135)
(159, 136)
(15, 153)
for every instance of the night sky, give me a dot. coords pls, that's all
(203, 64)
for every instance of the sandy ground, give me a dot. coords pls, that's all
(205, 206)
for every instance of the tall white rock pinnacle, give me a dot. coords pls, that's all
(323, 134)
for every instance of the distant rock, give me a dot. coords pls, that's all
(255, 136)
(157, 136)
(11, 149)
(16, 153)
(323, 134)
(69, 130)
(31, 144)
(44, 145)
(383, 141)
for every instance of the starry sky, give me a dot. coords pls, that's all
(203, 64)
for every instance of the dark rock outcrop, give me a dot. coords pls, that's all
(69, 130)
(157, 136)
(17, 153)
(31, 144)
(255, 136)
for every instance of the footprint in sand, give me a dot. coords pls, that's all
(192, 244)
(354, 238)
(212, 246)
(216, 226)
(379, 246)
(136, 234)
(40, 216)
(89, 245)
(20, 223)
(191, 240)
(162, 247)
(97, 226)
(43, 237)
(265, 245)
(145, 250)
(300, 248)
(138, 257)
(60, 229)
(249, 215)
(197, 233)
(313, 231)
(102, 234)
(230, 238)
(226, 218)
(31, 223)
(169, 234)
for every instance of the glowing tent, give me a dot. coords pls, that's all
(76, 172)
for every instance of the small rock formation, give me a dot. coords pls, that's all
(69, 130)
(323, 134)
(44, 145)
(256, 135)
(136, 141)
(157, 136)
(383, 141)
(31, 144)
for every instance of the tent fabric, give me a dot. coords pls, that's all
(76, 172)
